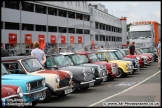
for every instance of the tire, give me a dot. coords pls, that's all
(46, 97)
(110, 78)
(84, 88)
(120, 73)
(75, 87)
(62, 95)
(34, 103)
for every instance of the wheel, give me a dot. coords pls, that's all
(34, 103)
(110, 78)
(46, 96)
(120, 73)
(75, 87)
(84, 88)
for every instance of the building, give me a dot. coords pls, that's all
(60, 23)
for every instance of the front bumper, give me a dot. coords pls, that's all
(88, 83)
(137, 67)
(63, 88)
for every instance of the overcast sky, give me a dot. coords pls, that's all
(135, 11)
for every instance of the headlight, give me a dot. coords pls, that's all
(57, 79)
(93, 70)
(43, 82)
(71, 75)
(20, 92)
(99, 69)
(137, 58)
(28, 86)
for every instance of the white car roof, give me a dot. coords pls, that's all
(112, 50)
(66, 53)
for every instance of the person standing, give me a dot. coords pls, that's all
(159, 53)
(131, 50)
(38, 53)
(4, 52)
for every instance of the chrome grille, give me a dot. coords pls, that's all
(36, 84)
(88, 77)
(64, 82)
(114, 70)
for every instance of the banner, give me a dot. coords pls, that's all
(12, 38)
(71, 39)
(28, 38)
(41, 41)
(63, 39)
(79, 39)
(53, 39)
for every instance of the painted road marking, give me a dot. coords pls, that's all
(123, 90)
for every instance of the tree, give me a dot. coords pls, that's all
(128, 25)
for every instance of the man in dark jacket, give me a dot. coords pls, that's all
(131, 50)
(4, 53)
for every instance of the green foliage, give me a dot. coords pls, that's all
(128, 25)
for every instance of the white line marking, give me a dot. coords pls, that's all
(123, 91)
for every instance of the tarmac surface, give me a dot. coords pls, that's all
(143, 88)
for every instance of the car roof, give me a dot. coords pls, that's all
(147, 47)
(102, 51)
(112, 50)
(53, 54)
(15, 57)
(84, 52)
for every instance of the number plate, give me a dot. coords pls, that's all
(37, 95)
(91, 84)
(105, 79)
(68, 91)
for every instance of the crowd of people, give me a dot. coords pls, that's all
(40, 54)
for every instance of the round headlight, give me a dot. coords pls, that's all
(28, 86)
(57, 79)
(93, 70)
(137, 58)
(20, 92)
(43, 82)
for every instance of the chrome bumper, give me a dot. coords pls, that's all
(9, 97)
(87, 82)
(62, 89)
(35, 91)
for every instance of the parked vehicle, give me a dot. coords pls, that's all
(144, 33)
(150, 50)
(33, 87)
(76, 60)
(119, 56)
(90, 57)
(143, 59)
(82, 76)
(11, 92)
(149, 57)
(59, 83)
(124, 67)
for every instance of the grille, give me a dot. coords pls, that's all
(88, 77)
(101, 73)
(114, 70)
(64, 82)
(36, 84)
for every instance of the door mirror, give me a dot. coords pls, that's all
(55, 67)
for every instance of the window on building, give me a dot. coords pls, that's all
(52, 11)
(109, 28)
(71, 30)
(79, 31)
(96, 37)
(27, 7)
(86, 18)
(40, 9)
(112, 38)
(91, 10)
(112, 28)
(40, 28)
(79, 16)
(103, 38)
(107, 38)
(96, 25)
(62, 30)
(28, 27)
(52, 29)
(62, 13)
(12, 26)
(71, 15)
(104, 26)
(86, 31)
(100, 26)
(12, 4)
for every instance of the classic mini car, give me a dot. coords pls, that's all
(112, 68)
(150, 55)
(33, 87)
(59, 83)
(11, 92)
(150, 50)
(143, 60)
(82, 76)
(100, 70)
(124, 67)
(119, 56)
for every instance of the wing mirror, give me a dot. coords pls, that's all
(55, 66)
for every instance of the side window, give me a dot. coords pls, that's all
(68, 59)
(49, 62)
(98, 55)
(14, 68)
